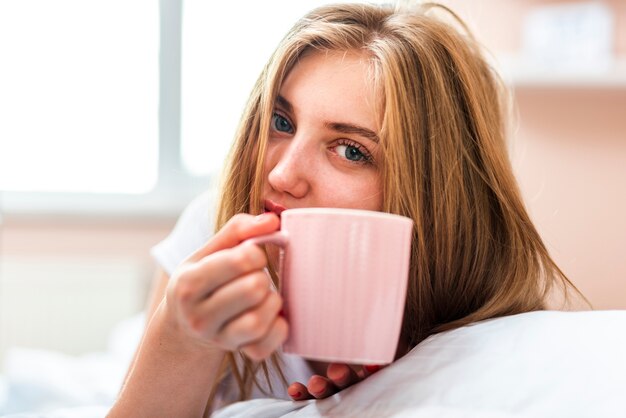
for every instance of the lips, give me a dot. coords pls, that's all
(271, 206)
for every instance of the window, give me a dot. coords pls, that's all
(79, 102)
(125, 107)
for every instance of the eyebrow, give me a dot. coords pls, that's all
(345, 128)
(284, 103)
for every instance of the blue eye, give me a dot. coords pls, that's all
(281, 124)
(353, 152)
(350, 153)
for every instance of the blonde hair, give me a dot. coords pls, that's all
(475, 253)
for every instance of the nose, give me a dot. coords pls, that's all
(291, 170)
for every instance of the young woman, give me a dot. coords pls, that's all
(361, 106)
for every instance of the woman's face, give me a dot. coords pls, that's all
(323, 145)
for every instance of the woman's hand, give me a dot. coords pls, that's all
(339, 376)
(221, 295)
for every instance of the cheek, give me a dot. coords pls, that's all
(375, 195)
(269, 160)
(356, 192)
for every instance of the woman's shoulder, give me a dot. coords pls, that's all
(193, 228)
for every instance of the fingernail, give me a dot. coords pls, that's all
(372, 368)
(317, 387)
(293, 391)
(296, 395)
(340, 376)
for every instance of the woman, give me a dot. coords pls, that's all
(361, 106)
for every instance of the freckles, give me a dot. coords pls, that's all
(364, 193)
(271, 158)
(373, 200)
(373, 194)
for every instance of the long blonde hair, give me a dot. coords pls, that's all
(475, 253)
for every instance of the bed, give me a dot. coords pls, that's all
(540, 364)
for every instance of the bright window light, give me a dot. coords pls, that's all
(79, 95)
(224, 48)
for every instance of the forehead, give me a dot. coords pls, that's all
(337, 86)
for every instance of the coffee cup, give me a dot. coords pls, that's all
(343, 277)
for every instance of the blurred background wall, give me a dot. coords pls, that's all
(569, 145)
(68, 275)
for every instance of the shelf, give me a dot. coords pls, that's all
(520, 73)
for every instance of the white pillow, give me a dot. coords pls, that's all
(540, 364)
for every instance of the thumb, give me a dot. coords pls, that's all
(239, 228)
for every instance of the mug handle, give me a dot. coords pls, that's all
(278, 238)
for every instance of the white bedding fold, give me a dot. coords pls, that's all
(541, 364)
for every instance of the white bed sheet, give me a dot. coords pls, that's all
(41, 382)
(542, 364)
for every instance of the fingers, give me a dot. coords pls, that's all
(318, 387)
(239, 228)
(242, 314)
(251, 326)
(321, 387)
(197, 280)
(221, 294)
(298, 392)
(341, 375)
(229, 301)
(263, 348)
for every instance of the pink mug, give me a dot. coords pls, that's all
(343, 276)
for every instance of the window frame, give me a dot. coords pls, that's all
(175, 187)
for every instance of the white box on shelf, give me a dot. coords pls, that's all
(569, 38)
